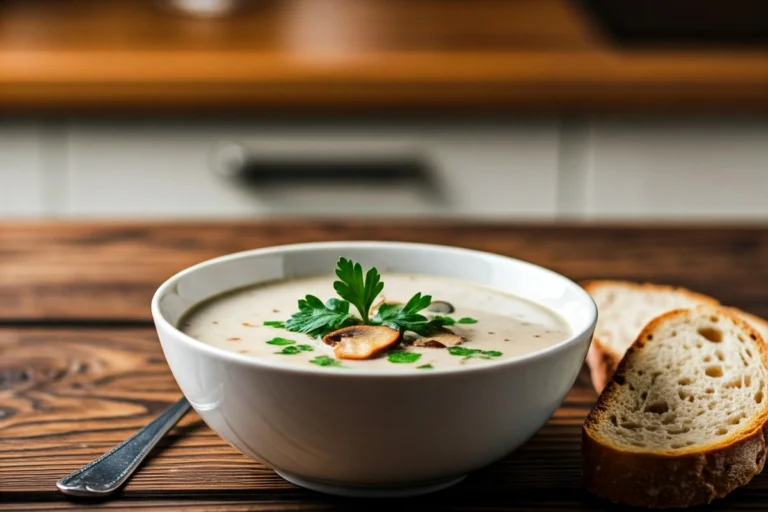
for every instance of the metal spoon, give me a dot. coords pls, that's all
(109, 472)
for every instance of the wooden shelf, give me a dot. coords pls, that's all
(540, 55)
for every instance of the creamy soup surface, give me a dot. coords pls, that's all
(504, 323)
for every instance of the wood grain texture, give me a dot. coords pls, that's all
(69, 395)
(333, 54)
(109, 271)
(81, 369)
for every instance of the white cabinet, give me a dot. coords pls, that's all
(541, 169)
(21, 184)
(663, 169)
(153, 170)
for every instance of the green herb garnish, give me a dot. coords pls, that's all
(274, 323)
(406, 318)
(280, 341)
(289, 351)
(402, 356)
(317, 319)
(467, 320)
(473, 352)
(325, 361)
(352, 288)
(425, 367)
(445, 320)
(462, 351)
(305, 348)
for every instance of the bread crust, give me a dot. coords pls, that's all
(602, 363)
(601, 359)
(756, 321)
(679, 478)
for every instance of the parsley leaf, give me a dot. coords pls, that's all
(425, 367)
(406, 317)
(280, 341)
(325, 361)
(445, 320)
(473, 352)
(467, 320)
(289, 351)
(401, 356)
(305, 348)
(317, 319)
(462, 351)
(277, 324)
(351, 286)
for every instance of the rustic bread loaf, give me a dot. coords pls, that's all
(624, 309)
(683, 419)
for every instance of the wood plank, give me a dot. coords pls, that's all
(109, 271)
(333, 54)
(69, 395)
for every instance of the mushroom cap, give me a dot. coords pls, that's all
(440, 306)
(441, 339)
(361, 341)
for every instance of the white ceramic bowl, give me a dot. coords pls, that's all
(373, 433)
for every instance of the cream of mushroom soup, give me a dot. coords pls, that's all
(415, 323)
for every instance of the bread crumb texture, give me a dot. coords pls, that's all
(695, 383)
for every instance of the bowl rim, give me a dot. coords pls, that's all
(212, 351)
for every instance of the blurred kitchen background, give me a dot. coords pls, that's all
(508, 110)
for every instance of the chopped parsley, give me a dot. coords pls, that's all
(425, 367)
(280, 341)
(325, 361)
(289, 351)
(401, 356)
(466, 320)
(289, 346)
(274, 323)
(473, 352)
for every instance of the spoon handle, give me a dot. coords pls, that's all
(106, 474)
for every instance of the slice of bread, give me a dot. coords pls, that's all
(683, 419)
(624, 308)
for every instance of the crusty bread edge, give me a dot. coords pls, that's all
(690, 477)
(752, 319)
(601, 359)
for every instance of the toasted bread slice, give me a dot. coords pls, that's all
(683, 419)
(624, 308)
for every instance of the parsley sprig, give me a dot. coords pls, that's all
(404, 317)
(352, 288)
(317, 319)
(360, 290)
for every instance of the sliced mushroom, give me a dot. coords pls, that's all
(440, 306)
(361, 341)
(429, 344)
(440, 339)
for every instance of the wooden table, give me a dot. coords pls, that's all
(435, 55)
(81, 369)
